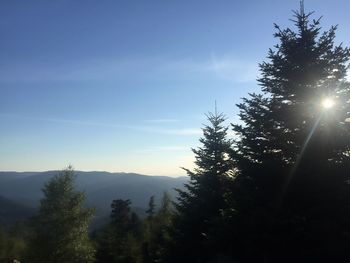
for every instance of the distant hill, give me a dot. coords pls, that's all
(100, 188)
(11, 212)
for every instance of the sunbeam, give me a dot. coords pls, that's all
(299, 158)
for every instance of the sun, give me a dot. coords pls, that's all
(327, 103)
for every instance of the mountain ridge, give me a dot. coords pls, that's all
(25, 188)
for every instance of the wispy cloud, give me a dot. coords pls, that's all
(234, 69)
(141, 128)
(226, 67)
(223, 67)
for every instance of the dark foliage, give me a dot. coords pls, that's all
(200, 208)
(292, 189)
(120, 240)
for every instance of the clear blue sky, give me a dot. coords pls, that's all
(124, 85)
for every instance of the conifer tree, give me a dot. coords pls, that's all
(200, 206)
(156, 231)
(151, 208)
(292, 188)
(61, 228)
(120, 240)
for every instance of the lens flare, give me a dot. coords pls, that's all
(328, 103)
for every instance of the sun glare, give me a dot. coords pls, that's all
(327, 103)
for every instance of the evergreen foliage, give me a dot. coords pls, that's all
(128, 239)
(120, 241)
(200, 207)
(12, 246)
(156, 231)
(151, 208)
(61, 228)
(292, 188)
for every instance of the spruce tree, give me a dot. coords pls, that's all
(61, 228)
(200, 206)
(293, 151)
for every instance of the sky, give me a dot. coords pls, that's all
(123, 86)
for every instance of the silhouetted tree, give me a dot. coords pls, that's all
(292, 189)
(61, 228)
(120, 241)
(151, 207)
(165, 208)
(200, 206)
(156, 231)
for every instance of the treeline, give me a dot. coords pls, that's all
(60, 231)
(277, 191)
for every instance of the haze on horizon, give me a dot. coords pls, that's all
(124, 86)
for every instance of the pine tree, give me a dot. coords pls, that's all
(292, 188)
(61, 228)
(200, 206)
